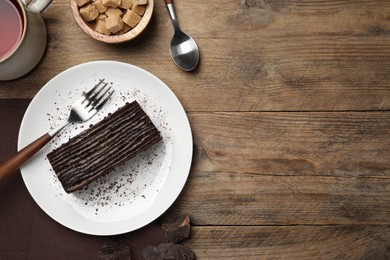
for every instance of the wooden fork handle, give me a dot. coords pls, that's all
(16, 160)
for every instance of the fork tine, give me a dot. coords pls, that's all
(99, 98)
(89, 93)
(94, 103)
(96, 94)
(104, 101)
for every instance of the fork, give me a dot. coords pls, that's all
(81, 110)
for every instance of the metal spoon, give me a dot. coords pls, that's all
(183, 49)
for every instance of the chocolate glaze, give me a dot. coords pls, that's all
(104, 146)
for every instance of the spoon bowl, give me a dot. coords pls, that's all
(183, 49)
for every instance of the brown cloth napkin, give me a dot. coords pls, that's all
(26, 232)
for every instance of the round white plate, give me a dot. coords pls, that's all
(136, 193)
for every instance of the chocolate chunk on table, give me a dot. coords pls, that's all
(178, 230)
(175, 252)
(151, 253)
(115, 249)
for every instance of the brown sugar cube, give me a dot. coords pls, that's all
(99, 5)
(131, 18)
(82, 2)
(124, 30)
(89, 12)
(139, 9)
(114, 23)
(141, 2)
(114, 11)
(100, 25)
(126, 4)
(101, 17)
(111, 3)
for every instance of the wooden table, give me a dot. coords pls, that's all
(289, 109)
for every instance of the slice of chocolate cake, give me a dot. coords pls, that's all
(104, 146)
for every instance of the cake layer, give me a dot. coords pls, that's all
(104, 146)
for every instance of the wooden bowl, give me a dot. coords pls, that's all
(87, 27)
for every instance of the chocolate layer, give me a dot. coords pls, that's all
(101, 148)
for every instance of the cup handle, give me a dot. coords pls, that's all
(37, 6)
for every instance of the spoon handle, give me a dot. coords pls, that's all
(172, 13)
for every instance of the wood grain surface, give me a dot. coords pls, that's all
(289, 109)
(255, 55)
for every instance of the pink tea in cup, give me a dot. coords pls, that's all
(11, 27)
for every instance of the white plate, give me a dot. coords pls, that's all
(135, 194)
